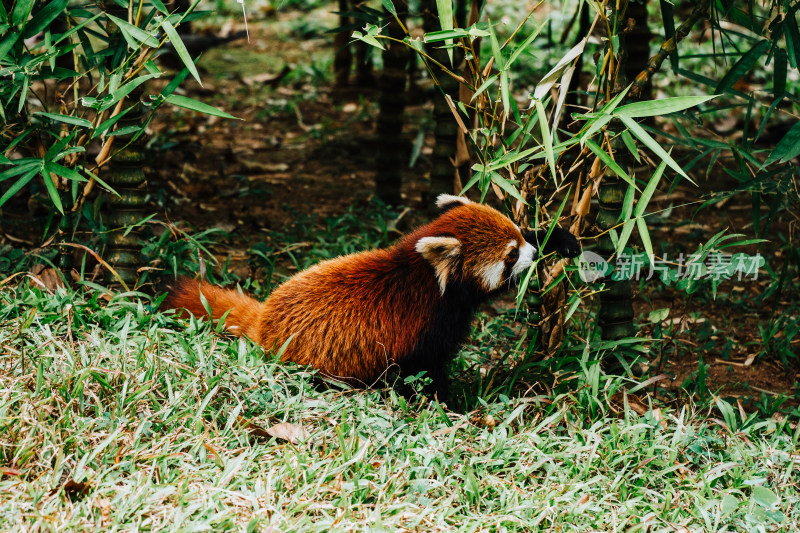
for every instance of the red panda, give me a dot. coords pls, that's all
(408, 305)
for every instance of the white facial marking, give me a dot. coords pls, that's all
(511, 244)
(526, 254)
(492, 275)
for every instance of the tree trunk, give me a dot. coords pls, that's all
(392, 154)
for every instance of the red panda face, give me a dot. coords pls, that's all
(473, 242)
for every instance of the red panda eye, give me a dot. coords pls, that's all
(513, 254)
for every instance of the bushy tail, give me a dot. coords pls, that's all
(243, 311)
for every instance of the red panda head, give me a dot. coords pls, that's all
(473, 242)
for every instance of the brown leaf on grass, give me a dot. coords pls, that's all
(104, 504)
(288, 432)
(5, 471)
(51, 279)
(285, 431)
(74, 489)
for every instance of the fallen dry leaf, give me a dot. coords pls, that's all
(284, 431)
(288, 432)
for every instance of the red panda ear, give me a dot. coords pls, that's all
(446, 202)
(442, 253)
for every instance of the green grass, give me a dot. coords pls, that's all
(114, 417)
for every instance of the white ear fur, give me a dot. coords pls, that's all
(441, 253)
(445, 199)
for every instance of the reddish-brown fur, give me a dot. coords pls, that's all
(354, 316)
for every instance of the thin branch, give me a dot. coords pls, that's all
(699, 13)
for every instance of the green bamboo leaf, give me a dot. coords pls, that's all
(44, 17)
(528, 40)
(638, 132)
(22, 9)
(8, 43)
(64, 172)
(389, 6)
(369, 39)
(473, 180)
(649, 190)
(743, 66)
(627, 204)
(76, 121)
(159, 5)
(625, 234)
(123, 91)
(52, 191)
(547, 139)
(485, 85)
(505, 96)
(445, 10)
(181, 50)
(109, 122)
(512, 157)
(507, 186)
(76, 28)
(630, 144)
(438, 36)
(595, 125)
(779, 72)
(664, 106)
(609, 162)
(787, 148)
(19, 184)
(645, 236)
(194, 105)
(496, 52)
(792, 35)
(135, 32)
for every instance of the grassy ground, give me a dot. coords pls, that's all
(115, 417)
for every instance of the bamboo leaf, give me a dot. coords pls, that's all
(779, 72)
(507, 186)
(135, 32)
(445, 10)
(51, 188)
(42, 19)
(547, 139)
(665, 106)
(609, 162)
(496, 52)
(19, 184)
(787, 148)
(181, 50)
(638, 132)
(77, 121)
(389, 6)
(528, 40)
(194, 105)
(505, 93)
(555, 73)
(645, 236)
(485, 85)
(22, 9)
(743, 66)
(369, 39)
(630, 144)
(649, 190)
